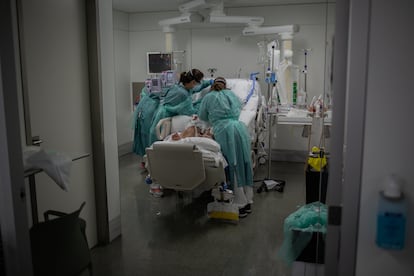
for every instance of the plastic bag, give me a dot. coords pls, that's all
(317, 160)
(299, 227)
(56, 165)
(227, 211)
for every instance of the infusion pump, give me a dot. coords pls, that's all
(160, 81)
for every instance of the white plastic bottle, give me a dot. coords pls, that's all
(301, 101)
(392, 214)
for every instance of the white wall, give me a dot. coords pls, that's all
(224, 48)
(123, 88)
(389, 133)
(145, 35)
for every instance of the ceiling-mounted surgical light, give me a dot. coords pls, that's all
(182, 19)
(217, 15)
(187, 15)
(285, 30)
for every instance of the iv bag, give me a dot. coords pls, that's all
(273, 54)
(262, 58)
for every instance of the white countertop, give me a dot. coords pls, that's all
(297, 116)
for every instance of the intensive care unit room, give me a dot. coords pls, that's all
(205, 137)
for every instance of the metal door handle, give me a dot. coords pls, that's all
(36, 141)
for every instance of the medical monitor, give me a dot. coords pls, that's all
(168, 78)
(153, 85)
(158, 62)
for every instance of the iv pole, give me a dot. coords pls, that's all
(270, 113)
(269, 183)
(305, 67)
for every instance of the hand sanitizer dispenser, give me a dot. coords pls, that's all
(391, 218)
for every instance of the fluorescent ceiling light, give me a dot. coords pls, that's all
(286, 29)
(192, 5)
(249, 20)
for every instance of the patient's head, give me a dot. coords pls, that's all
(191, 131)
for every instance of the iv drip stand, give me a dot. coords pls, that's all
(269, 183)
(305, 69)
(278, 184)
(270, 116)
(269, 159)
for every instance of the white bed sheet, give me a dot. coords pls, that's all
(242, 88)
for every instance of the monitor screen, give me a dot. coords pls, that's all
(155, 82)
(158, 62)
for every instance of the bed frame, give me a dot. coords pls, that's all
(181, 167)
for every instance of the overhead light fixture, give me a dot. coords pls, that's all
(285, 30)
(217, 15)
(184, 18)
(249, 20)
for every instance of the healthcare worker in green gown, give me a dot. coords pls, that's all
(178, 99)
(142, 118)
(221, 108)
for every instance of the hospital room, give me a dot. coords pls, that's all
(279, 54)
(262, 52)
(202, 137)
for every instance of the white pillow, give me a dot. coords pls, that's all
(241, 87)
(198, 95)
(179, 123)
(203, 142)
(203, 125)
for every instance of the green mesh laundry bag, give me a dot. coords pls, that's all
(299, 227)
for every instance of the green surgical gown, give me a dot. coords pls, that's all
(177, 101)
(222, 110)
(142, 119)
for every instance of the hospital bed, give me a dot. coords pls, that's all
(169, 163)
(252, 114)
(192, 164)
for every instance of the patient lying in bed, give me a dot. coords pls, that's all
(203, 139)
(192, 131)
(199, 134)
(212, 157)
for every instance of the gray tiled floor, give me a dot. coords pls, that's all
(173, 236)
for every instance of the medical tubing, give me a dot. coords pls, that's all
(252, 77)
